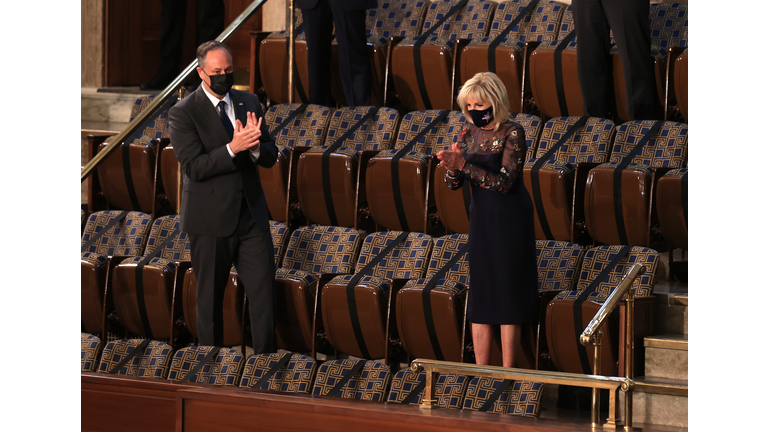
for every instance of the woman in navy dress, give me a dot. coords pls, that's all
(490, 153)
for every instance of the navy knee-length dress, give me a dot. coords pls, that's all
(502, 243)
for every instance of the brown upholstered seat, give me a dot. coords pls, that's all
(557, 185)
(402, 205)
(433, 85)
(453, 205)
(669, 28)
(672, 205)
(147, 288)
(621, 210)
(540, 24)
(273, 64)
(170, 173)
(581, 305)
(367, 330)
(335, 196)
(447, 301)
(102, 248)
(128, 175)
(551, 99)
(680, 81)
(307, 129)
(315, 255)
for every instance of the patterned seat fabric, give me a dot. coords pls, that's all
(522, 398)
(312, 251)
(413, 169)
(589, 145)
(370, 383)
(436, 54)
(667, 149)
(449, 389)
(375, 134)
(540, 25)
(280, 234)
(307, 129)
(127, 238)
(90, 350)
(567, 354)
(143, 294)
(296, 376)
(224, 369)
(154, 362)
(448, 202)
(140, 193)
(447, 305)
(558, 264)
(373, 298)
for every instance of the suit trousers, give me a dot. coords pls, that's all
(354, 64)
(250, 249)
(628, 19)
(173, 16)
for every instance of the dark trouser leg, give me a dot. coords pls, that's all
(256, 269)
(211, 261)
(629, 21)
(594, 63)
(318, 28)
(354, 65)
(210, 20)
(172, 18)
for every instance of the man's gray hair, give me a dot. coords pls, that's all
(203, 49)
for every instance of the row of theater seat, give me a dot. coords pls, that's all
(409, 288)
(300, 374)
(454, 39)
(591, 180)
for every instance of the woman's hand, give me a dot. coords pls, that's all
(453, 159)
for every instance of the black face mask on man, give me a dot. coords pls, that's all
(481, 117)
(220, 84)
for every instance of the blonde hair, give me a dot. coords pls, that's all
(487, 87)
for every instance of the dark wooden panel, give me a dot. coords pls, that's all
(132, 40)
(127, 404)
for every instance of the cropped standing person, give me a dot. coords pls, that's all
(594, 19)
(489, 154)
(220, 139)
(354, 67)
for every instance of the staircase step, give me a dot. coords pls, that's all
(101, 106)
(660, 401)
(666, 356)
(670, 313)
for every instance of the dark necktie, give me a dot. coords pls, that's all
(251, 183)
(225, 119)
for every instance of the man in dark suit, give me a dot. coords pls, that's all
(628, 19)
(220, 139)
(354, 66)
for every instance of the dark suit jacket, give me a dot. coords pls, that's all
(212, 192)
(339, 4)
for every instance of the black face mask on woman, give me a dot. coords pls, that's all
(220, 84)
(481, 117)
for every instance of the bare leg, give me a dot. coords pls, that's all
(481, 339)
(510, 343)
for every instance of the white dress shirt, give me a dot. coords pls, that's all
(231, 114)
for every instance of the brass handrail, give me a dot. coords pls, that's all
(587, 336)
(165, 94)
(435, 367)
